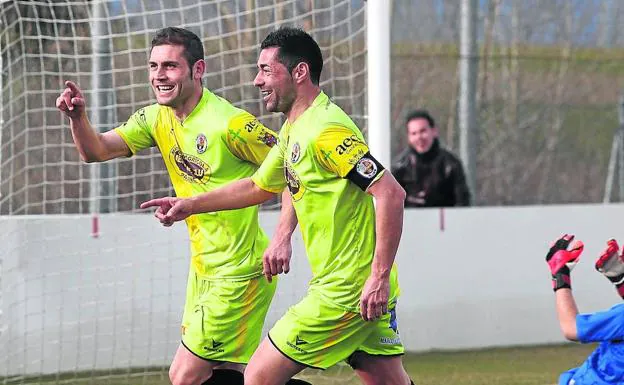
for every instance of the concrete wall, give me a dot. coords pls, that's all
(477, 278)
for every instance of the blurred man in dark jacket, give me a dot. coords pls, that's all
(431, 175)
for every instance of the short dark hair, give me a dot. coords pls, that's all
(193, 47)
(296, 46)
(420, 114)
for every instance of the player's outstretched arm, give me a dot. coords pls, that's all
(276, 258)
(561, 261)
(92, 146)
(566, 313)
(611, 264)
(236, 195)
(390, 198)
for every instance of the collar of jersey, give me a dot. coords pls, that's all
(320, 99)
(206, 94)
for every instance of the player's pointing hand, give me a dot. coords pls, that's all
(70, 101)
(169, 209)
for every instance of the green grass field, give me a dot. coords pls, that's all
(502, 366)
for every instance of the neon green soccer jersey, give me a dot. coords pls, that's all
(313, 157)
(215, 145)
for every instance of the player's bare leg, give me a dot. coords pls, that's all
(188, 369)
(268, 366)
(379, 370)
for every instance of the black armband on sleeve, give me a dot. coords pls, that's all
(365, 171)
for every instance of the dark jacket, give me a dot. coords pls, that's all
(433, 179)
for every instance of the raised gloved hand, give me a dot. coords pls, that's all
(611, 264)
(561, 261)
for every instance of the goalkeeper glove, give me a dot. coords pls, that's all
(611, 264)
(561, 261)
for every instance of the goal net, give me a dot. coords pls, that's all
(84, 300)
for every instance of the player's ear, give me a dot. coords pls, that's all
(198, 69)
(301, 71)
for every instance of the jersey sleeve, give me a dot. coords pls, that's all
(137, 130)
(248, 139)
(340, 151)
(270, 175)
(605, 325)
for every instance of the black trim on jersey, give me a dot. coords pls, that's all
(208, 359)
(195, 354)
(351, 361)
(289, 357)
(365, 171)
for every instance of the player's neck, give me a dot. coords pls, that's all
(304, 100)
(183, 111)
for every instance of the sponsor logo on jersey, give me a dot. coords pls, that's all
(190, 167)
(251, 125)
(346, 145)
(296, 188)
(366, 167)
(354, 157)
(298, 342)
(295, 155)
(201, 143)
(390, 341)
(216, 347)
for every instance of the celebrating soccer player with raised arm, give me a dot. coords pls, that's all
(205, 143)
(605, 366)
(349, 312)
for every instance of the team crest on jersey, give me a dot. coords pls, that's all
(201, 143)
(295, 155)
(190, 167)
(267, 138)
(296, 188)
(366, 167)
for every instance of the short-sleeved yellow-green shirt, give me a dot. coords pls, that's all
(337, 217)
(216, 144)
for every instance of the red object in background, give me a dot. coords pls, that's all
(95, 226)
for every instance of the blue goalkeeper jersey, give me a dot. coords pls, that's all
(605, 365)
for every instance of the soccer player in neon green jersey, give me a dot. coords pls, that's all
(205, 143)
(321, 156)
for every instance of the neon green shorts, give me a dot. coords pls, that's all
(319, 335)
(223, 319)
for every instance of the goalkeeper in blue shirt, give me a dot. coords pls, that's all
(605, 365)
